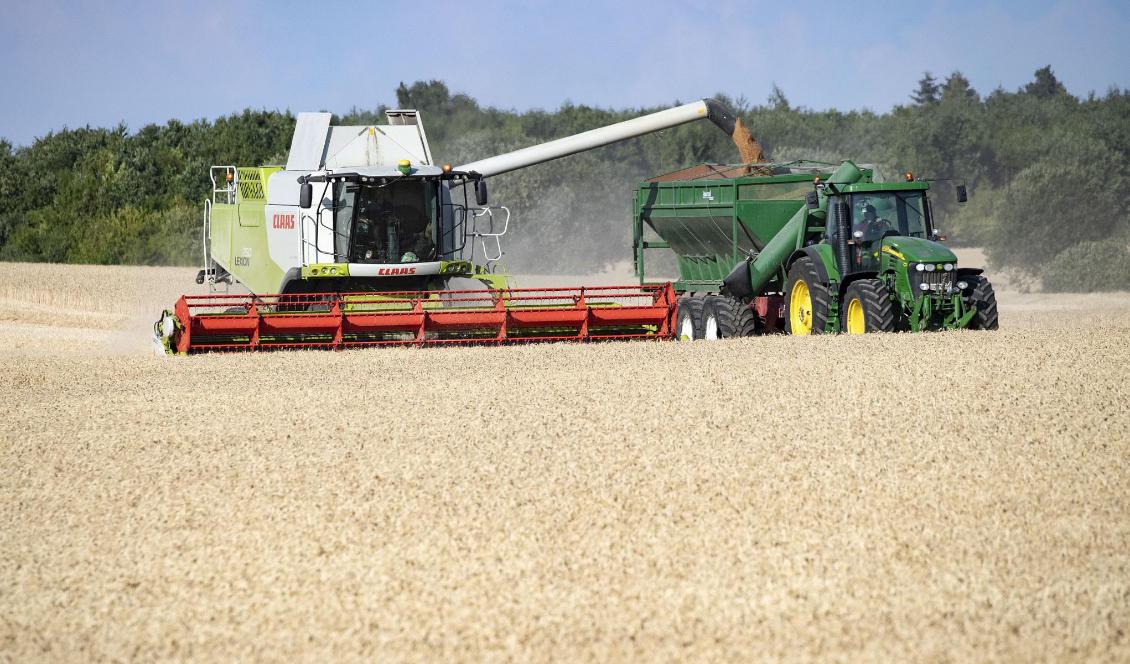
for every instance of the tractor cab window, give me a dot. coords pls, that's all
(877, 215)
(885, 213)
(393, 222)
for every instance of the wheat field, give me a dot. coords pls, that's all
(936, 497)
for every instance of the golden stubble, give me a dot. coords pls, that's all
(931, 497)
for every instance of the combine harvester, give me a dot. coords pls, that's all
(355, 241)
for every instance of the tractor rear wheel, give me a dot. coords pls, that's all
(688, 318)
(868, 307)
(984, 302)
(735, 318)
(806, 300)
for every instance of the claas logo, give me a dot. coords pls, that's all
(389, 271)
(285, 221)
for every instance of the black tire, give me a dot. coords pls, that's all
(984, 301)
(710, 328)
(735, 318)
(690, 308)
(874, 299)
(803, 270)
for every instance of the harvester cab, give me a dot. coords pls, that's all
(354, 208)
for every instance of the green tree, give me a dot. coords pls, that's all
(928, 90)
(957, 86)
(1046, 85)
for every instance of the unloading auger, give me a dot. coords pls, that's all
(356, 240)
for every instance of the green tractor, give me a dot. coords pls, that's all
(806, 248)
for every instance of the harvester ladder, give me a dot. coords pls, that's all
(209, 262)
(223, 193)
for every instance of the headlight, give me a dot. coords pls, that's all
(963, 285)
(929, 267)
(948, 267)
(920, 267)
(924, 287)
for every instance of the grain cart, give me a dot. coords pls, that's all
(806, 248)
(355, 241)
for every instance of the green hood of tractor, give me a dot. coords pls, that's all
(918, 250)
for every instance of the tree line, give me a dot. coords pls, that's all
(1047, 174)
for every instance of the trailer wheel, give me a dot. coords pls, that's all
(984, 301)
(806, 300)
(688, 318)
(711, 325)
(735, 318)
(868, 307)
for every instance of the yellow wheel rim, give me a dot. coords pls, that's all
(800, 308)
(855, 322)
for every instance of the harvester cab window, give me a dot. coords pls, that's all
(394, 223)
(345, 198)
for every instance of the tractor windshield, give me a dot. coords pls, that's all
(876, 215)
(385, 223)
(881, 213)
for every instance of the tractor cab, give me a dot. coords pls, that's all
(875, 216)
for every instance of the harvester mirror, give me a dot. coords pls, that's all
(481, 192)
(812, 200)
(305, 195)
(962, 194)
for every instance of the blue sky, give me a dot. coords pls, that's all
(76, 63)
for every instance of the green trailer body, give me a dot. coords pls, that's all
(711, 224)
(744, 233)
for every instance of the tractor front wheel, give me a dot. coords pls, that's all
(868, 307)
(806, 300)
(984, 302)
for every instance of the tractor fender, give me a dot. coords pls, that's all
(968, 271)
(855, 276)
(818, 261)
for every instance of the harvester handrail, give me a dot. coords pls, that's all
(229, 188)
(206, 235)
(487, 211)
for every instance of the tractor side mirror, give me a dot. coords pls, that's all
(305, 195)
(481, 192)
(962, 194)
(812, 200)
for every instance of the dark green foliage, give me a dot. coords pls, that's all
(1089, 266)
(1046, 84)
(105, 196)
(928, 89)
(1078, 196)
(1047, 173)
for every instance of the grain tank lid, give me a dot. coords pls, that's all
(308, 144)
(351, 146)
